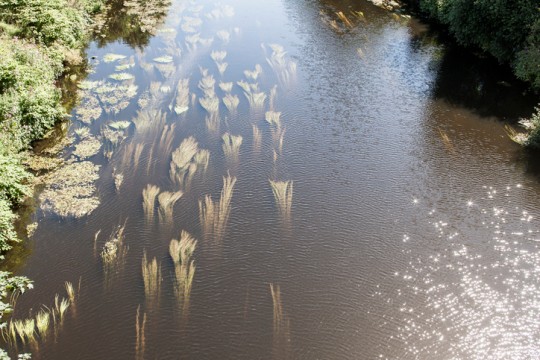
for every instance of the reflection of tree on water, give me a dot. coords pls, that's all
(133, 21)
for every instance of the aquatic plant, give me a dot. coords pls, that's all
(182, 96)
(70, 190)
(222, 67)
(137, 155)
(256, 100)
(89, 109)
(210, 104)
(118, 179)
(187, 159)
(184, 267)
(218, 56)
(215, 216)
(121, 76)
(43, 320)
(273, 118)
(166, 201)
(272, 98)
(119, 125)
(60, 307)
(140, 328)
(70, 292)
(284, 69)
(115, 98)
(247, 87)
(283, 192)
(151, 272)
(165, 59)
(113, 57)
(231, 146)
(207, 84)
(212, 122)
(226, 86)
(257, 137)
(87, 148)
(149, 122)
(281, 325)
(114, 253)
(231, 102)
(223, 35)
(278, 132)
(150, 194)
(253, 74)
(167, 137)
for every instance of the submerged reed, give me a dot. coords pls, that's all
(182, 96)
(253, 74)
(226, 86)
(187, 159)
(257, 137)
(283, 192)
(140, 328)
(256, 100)
(231, 146)
(184, 268)
(281, 326)
(215, 216)
(151, 272)
(43, 320)
(166, 201)
(210, 104)
(284, 69)
(231, 102)
(150, 194)
(114, 253)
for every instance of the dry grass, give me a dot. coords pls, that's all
(278, 131)
(140, 328)
(184, 268)
(283, 192)
(215, 216)
(150, 194)
(231, 146)
(151, 272)
(166, 201)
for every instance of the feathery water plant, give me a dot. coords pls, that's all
(222, 66)
(151, 272)
(278, 132)
(186, 160)
(140, 328)
(113, 253)
(206, 84)
(231, 146)
(166, 140)
(218, 56)
(272, 98)
(256, 100)
(149, 200)
(215, 216)
(283, 192)
(231, 102)
(284, 69)
(226, 86)
(273, 118)
(281, 326)
(210, 104)
(213, 123)
(166, 201)
(253, 74)
(184, 268)
(60, 307)
(43, 320)
(182, 96)
(257, 137)
(223, 35)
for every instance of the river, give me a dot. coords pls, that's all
(408, 230)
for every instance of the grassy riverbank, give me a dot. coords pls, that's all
(38, 39)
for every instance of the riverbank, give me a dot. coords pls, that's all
(39, 40)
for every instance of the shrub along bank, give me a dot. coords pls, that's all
(509, 30)
(38, 38)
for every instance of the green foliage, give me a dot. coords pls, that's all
(506, 29)
(533, 139)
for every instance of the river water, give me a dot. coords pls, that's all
(412, 231)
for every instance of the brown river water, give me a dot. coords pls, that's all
(412, 231)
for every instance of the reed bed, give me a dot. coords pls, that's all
(181, 252)
(151, 272)
(182, 96)
(226, 86)
(283, 192)
(231, 102)
(140, 329)
(187, 159)
(215, 216)
(166, 201)
(150, 194)
(231, 146)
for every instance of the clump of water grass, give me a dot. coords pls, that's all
(140, 329)
(281, 325)
(222, 67)
(187, 159)
(167, 137)
(215, 216)
(60, 307)
(218, 56)
(166, 201)
(256, 100)
(272, 98)
(226, 86)
(207, 84)
(113, 57)
(253, 74)
(118, 179)
(223, 35)
(150, 194)
(149, 122)
(121, 76)
(182, 96)
(43, 321)
(165, 59)
(278, 132)
(87, 148)
(231, 102)
(119, 125)
(113, 253)
(284, 68)
(257, 137)
(283, 192)
(213, 123)
(181, 252)
(210, 104)
(231, 146)
(151, 272)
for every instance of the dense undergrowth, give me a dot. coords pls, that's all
(509, 30)
(38, 38)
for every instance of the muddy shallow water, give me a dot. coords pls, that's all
(412, 231)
